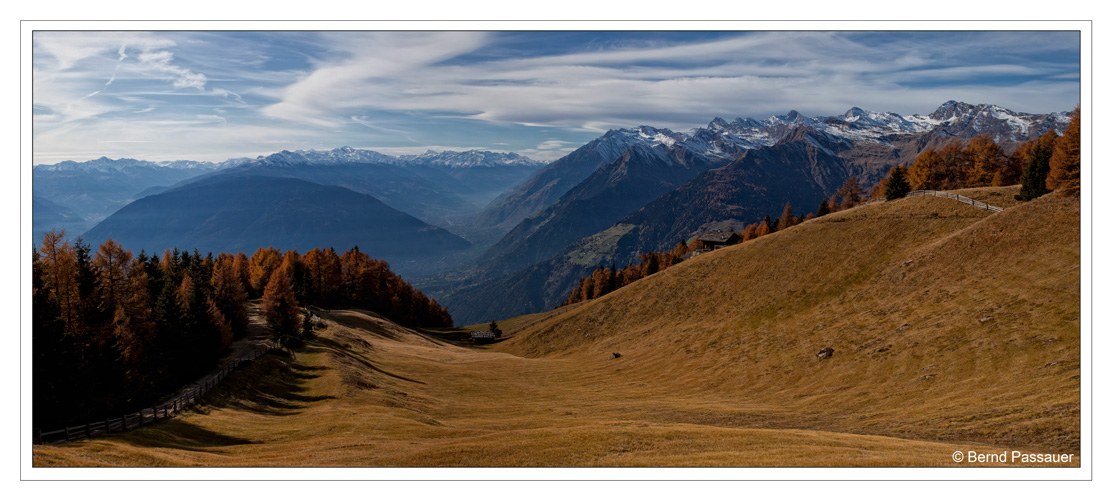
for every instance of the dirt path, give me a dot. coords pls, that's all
(257, 336)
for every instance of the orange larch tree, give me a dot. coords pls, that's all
(1064, 166)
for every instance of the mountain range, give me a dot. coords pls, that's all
(746, 169)
(509, 235)
(92, 190)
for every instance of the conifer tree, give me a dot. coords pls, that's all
(60, 277)
(897, 185)
(1064, 165)
(921, 174)
(787, 219)
(953, 166)
(1037, 168)
(823, 208)
(112, 264)
(228, 295)
(651, 264)
(263, 262)
(851, 193)
(279, 305)
(762, 230)
(495, 329)
(987, 160)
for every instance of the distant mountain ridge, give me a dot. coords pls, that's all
(440, 188)
(243, 213)
(94, 189)
(105, 164)
(636, 177)
(761, 165)
(547, 185)
(470, 159)
(800, 169)
(726, 140)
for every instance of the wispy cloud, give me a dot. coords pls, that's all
(227, 93)
(680, 85)
(375, 68)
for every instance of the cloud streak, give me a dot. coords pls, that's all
(681, 85)
(533, 93)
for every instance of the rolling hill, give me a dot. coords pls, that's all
(954, 328)
(948, 322)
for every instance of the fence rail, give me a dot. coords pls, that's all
(962, 199)
(148, 415)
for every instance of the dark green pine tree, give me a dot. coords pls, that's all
(653, 264)
(86, 286)
(495, 329)
(823, 209)
(1035, 173)
(171, 343)
(897, 184)
(56, 359)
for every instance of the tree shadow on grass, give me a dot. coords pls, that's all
(328, 345)
(271, 385)
(180, 434)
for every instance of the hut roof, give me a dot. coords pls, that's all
(719, 237)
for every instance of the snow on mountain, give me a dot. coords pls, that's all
(344, 154)
(105, 164)
(720, 139)
(615, 142)
(471, 159)
(725, 139)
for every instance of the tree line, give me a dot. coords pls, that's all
(607, 279)
(1043, 164)
(604, 280)
(113, 332)
(1046, 163)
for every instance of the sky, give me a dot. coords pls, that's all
(215, 95)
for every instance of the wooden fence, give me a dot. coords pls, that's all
(148, 415)
(962, 199)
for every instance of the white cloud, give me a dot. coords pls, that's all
(70, 66)
(376, 68)
(679, 86)
(200, 92)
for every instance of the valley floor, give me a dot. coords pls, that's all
(366, 392)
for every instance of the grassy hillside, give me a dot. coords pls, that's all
(717, 365)
(948, 322)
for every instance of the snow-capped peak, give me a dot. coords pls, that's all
(471, 159)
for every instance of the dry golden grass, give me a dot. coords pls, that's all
(990, 304)
(511, 326)
(718, 364)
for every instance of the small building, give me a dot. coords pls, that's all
(482, 337)
(718, 239)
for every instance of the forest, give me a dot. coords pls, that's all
(113, 332)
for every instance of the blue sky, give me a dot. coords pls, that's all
(217, 95)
